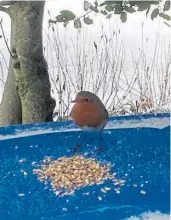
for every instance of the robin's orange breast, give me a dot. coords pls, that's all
(87, 114)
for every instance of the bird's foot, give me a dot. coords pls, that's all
(100, 149)
(77, 148)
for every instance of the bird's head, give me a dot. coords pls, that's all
(85, 97)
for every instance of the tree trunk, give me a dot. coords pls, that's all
(10, 107)
(30, 68)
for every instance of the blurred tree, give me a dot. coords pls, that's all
(26, 96)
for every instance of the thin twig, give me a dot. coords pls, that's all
(5, 39)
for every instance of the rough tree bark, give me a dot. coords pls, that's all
(26, 96)
(10, 107)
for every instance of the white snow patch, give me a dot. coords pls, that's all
(150, 216)
(158, 123)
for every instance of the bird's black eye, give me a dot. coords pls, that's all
(86, 99)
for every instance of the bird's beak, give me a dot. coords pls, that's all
(73, 101)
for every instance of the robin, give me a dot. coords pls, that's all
(89, 113)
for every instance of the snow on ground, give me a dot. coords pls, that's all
(124, 122)
(150, 216)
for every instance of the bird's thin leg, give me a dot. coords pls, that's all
(100, 149)
(78, 146)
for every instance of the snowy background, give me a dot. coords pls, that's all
(140, 39)
(131, 34)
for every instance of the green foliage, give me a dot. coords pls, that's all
(143, 5)
(121, 8)
(118, 9)
(104, 12)
(94, 8)
(154, 13)
(77, 23)
(165, 16)
(129, 9)
(65, 16)
(86, 5)
(167, 6)
(109, 8)
(123, 16)
(88, 21)
(109, 16)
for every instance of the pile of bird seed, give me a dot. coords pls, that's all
(68, 174)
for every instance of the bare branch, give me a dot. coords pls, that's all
(5, 39)
(3, 9)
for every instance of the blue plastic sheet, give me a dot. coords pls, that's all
(137, 146)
